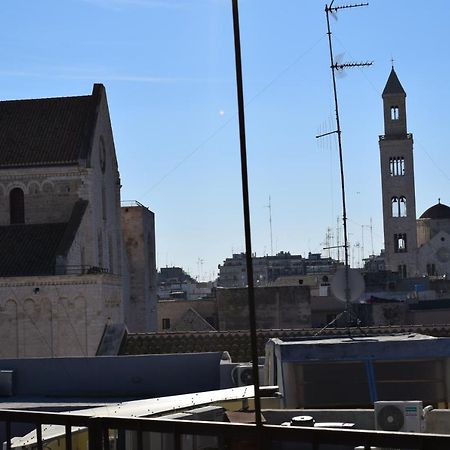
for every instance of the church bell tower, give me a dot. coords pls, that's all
(397, 181)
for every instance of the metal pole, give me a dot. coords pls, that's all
(245, 198)
(341, 165)
(68, 435)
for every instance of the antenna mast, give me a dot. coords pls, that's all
(270, 225)
(371, 235)
(335, 67)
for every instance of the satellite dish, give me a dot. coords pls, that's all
(356, 284)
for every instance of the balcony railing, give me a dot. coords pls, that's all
(80, 270)
(107, 433)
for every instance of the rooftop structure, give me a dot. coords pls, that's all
(358, 371)
(267, 269)
(68, 268)
(414, 247)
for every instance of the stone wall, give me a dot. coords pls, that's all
(175, 310)
(49, 193)
(276, 307)
(57, 315)
(138, 225)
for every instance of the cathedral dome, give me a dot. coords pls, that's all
(438, 211)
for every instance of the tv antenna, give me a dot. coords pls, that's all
(336, 67)
(270, 225)
(200, 262)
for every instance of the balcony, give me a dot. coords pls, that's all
(130, 433)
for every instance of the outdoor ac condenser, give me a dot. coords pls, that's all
(242, 374)
(404, 416)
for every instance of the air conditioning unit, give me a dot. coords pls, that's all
(242, 374)
(404, 416)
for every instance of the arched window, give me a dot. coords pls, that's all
(16, 206)
(394, 206)
(396, 166)
(100, 248)
(400, 243)
(402, 207)
(394, 113)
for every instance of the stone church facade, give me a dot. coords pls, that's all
(412, 247)
(64, 271)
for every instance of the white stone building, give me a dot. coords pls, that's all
(64, 270)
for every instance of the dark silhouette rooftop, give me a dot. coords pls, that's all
(438, 211)
(47, 131)
(393, 85)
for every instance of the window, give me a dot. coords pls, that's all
(402, 270)
(400, 243)
(394, 113)
(398, 206)
(396, 166)
(16, 206)
(102, 155)
(103, 202)
(402, 207)
(100, 248)
(166, 324)
(431, 269)
(394, 205)
(111, 255)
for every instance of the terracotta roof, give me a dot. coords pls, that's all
(438, 211)
(29, 250)
(47, 131)
(393, 85)
(237, 343)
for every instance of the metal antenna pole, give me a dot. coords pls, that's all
(371, 235)
(338, 241)
(270, 225)
(334, 66)
(245, 198)
(341, 163)
(362, 242)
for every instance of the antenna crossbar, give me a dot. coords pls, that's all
(326, 134)
(333, 246)
(337, 8)
(340, 66)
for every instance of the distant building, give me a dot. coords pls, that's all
(175, 283)
(67, 268)
(412, 247)
(268, 269)
(276, 307)
(374, 263)
(187, 315)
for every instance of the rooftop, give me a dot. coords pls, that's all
(393, 85)
(47, 131)
(437, 211)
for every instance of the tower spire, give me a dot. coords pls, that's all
(397, 180)
(393, 85)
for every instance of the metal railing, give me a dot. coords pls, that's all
(81, 270)
(99, 434)
(131, 204)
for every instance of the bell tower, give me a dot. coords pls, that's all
(397, 182)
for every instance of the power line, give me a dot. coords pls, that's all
(233, 117)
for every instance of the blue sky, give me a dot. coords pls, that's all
(168, 67)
